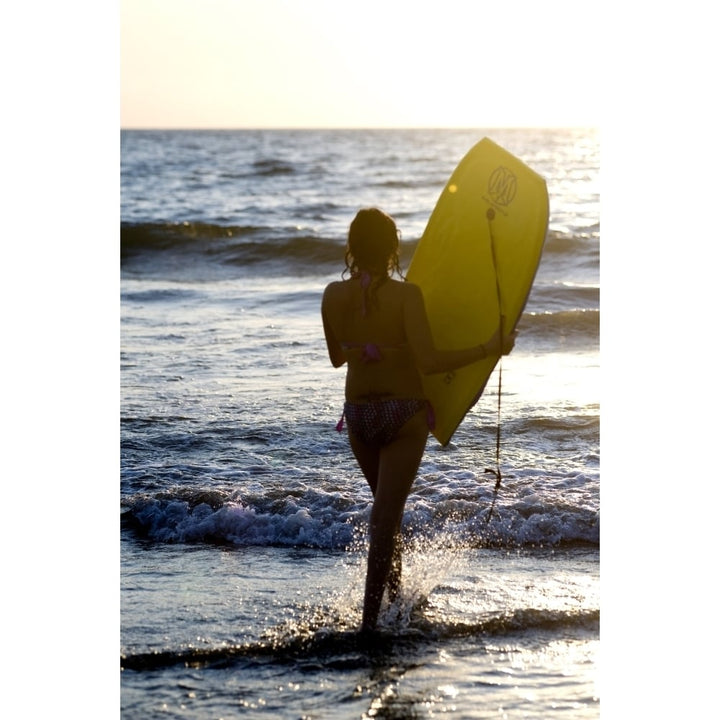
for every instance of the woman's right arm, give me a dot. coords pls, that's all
(428, 358)
(335, 351)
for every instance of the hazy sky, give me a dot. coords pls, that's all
(374, 63)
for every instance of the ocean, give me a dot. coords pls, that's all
(243, 515)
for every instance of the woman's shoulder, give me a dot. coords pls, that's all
(335, 287)
(336, 293)
(407, 289)
(400, 283)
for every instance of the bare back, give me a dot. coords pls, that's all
(389, 322)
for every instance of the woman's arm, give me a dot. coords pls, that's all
(428, 358)
(335, 351)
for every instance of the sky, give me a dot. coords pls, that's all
(330, 63)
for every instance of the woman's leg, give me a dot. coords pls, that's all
(368, 458)
(398, 464)
(395, 572)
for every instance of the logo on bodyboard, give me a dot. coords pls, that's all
(502, 186)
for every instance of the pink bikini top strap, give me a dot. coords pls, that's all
(370, 351)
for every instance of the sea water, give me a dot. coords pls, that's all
(243, 514)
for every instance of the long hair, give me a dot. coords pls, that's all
(373, 245)
(372, 252)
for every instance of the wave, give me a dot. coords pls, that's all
(332, 520)
(232, 245)
(566, 242)
(272, 166)
(579, 425)
(196, 236)
(558, 328)
(571, 294)
(408, 184)
(257, 244)
(346, 648)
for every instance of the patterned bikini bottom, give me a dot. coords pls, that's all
(378, 422)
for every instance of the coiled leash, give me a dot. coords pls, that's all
(496, 472)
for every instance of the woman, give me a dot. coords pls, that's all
(378, 326)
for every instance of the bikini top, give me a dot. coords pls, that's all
(371, 352)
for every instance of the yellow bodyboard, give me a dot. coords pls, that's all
(476, 262)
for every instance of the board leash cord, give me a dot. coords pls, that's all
(496, 472)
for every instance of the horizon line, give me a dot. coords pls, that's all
(356, 127)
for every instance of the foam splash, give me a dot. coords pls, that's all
(427, 563)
